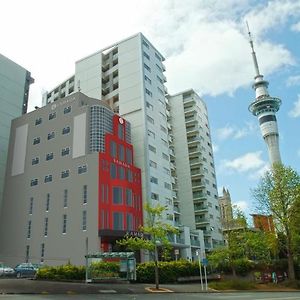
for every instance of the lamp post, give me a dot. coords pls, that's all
(198, 253)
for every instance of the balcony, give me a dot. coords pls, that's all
(176, 210)
(173, 167)
(200, 208)
(193, 140)
(202, 221)
(174, 194)
(198, 196)
(195, 161)
(195, 243)
(207, 245)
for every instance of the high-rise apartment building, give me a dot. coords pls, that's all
(195, 179)
(129, 76)
(14, 90)
(70, 178)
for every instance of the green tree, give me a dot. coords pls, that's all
(156, 234)
(278, 194)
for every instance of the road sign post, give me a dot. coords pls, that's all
(198, 252)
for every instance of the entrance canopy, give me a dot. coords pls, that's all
(110, 255)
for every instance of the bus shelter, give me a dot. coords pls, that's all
(126, 260)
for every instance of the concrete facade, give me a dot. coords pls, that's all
(129, 76)
(195, 185)
(51, 205)
(14, 90)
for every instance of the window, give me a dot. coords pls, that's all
(118, 221)
(30, 205)
(117, 195)
(51, 135)
(165, 156)
(158, 67)
(150, 120)
(36, 140)
(147, 68)
(160, 91)
(153, 180)
(46, 227)
(84, 220)
(157, 56)
(121, 173)
(66, 130)
(164, 129)
(64, 229)
(128, 156)
(153, 164)
(146, 55)
(34, 182)
(113, 149)
(27, 253)
(49, 156)
(163, 116)
(149, 106)
(52, 116)
(38, 121)
(42, 252)
(129, 221)
(47, 202)
(152, 148)
(65, 151)
(84, 194)
(128, 197)
(167, 185)
(151, 133)
(154, 196)
(129, 175)
(166, 171)
(29, 229)
(148, 92)
(82, 169)
(159, 79)
(146, 44)
(121, 131)
(164, 142)
(35, 161)
(65, 198)
(113, 171)
(48, 178)
(147, 79)
(67, 109)
(65, 174)
(121, 152)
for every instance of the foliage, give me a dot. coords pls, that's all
(104, 269)
(232, 285)
(278, 194)
(64, 272)
(169, 271)
(155, 231)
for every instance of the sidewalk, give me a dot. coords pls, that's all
(27, 286)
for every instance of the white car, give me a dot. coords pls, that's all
(6, 271)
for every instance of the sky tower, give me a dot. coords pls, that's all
(264, 107)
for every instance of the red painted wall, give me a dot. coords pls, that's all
(123, 166)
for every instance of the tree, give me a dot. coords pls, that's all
(278, 194)
(156, 234)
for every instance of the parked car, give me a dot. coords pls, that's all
(6, 271)
(25, 270)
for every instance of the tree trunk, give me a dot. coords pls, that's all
(290, 257)
(156, 268)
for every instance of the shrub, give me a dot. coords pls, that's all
(168, 271)
(232, 285)
(64, 272)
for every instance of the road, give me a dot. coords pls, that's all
(168, 296)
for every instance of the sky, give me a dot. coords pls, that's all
(206, 47)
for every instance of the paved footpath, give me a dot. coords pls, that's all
(27, 286)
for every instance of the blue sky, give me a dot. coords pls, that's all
(206, 48)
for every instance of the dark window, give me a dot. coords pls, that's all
(113, 171)
(121, 152)
(129, 175)
(67, 109)
(128, 197)
(121, 173)
(267, 119)
(121, 131)
(48, 178)
(65, 174)
(52, 116)
(118, 221)
(146, 55)
(147, 68)
(47, 202)
(146, 44)
(34, 182)
(29, 229)
(65, 151)
(113, 148)
(36, 140)
(35, 161)
(84, 215)
(65, 198)
(31, 206)
(46, 227)
(64, 230)
(38, 121)
(128, 156)
(42, 252)
(49, 156)
(51, 135)
(66, 130)
(82, 169)
(129, 221)
(117, 195)
(85, 194)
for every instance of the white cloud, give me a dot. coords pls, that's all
(251, 161)
(215, 148)
(295, 111)
(260, 172)
(242, 205)
(293, 80)
(296, 27)
(235, 132)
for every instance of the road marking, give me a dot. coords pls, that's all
(107, 291)
(285, 298)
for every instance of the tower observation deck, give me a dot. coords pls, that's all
(264, 107)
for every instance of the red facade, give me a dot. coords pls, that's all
(264, 223)
(120, 191)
